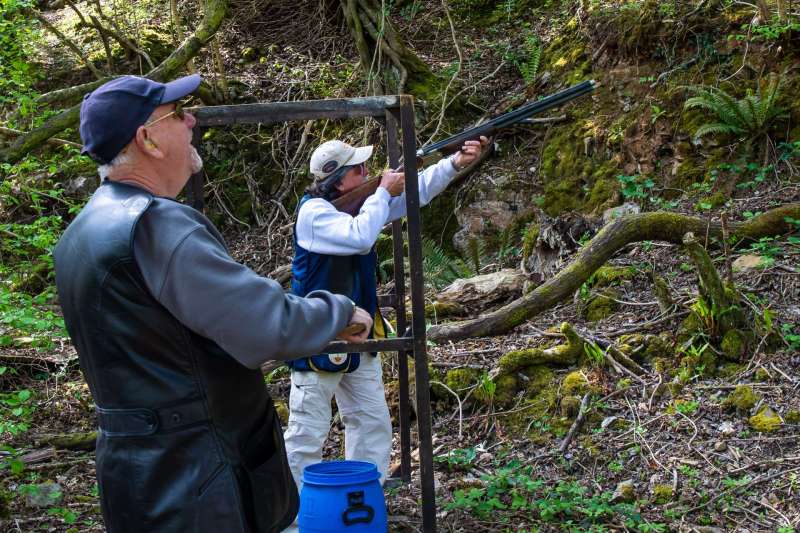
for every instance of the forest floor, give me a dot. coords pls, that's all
(691, 464)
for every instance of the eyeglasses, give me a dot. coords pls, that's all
(178, 112)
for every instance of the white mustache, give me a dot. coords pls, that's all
(197, 161)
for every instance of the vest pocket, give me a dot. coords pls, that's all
(274, 495)
(217, 505)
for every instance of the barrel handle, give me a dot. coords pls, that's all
(355, 502)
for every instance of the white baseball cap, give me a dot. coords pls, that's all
(333, 155)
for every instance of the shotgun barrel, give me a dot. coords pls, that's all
(352, 201)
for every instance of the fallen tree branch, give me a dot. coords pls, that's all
(214, 14)
(658, 226)
(584, 408)
(51, 140)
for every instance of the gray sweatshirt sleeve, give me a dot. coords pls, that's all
(249, 316)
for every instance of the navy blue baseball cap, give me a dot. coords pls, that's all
(111, 114)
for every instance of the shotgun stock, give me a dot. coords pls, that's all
(352, 201)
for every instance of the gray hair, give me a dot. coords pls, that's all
(122, 158)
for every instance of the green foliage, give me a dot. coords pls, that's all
(529, 59)
(686, 407)
(457, 459)
(635, 187)
(29, 320)
(746, 118)
(16, 411)
(18, 33)
(595, 354)
(567, 503)
(791, 334)
(767, 249)
(440, 268)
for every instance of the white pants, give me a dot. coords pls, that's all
(362, 405)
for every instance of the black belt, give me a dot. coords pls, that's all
(145, 421)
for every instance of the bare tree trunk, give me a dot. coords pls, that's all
(659, 226)
(389, 64)
(168, 69)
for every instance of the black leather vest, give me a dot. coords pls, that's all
(189, 439)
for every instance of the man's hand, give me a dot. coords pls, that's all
(469, 153)
(394, 182)
(359, 327)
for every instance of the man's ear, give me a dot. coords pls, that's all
(146, 144)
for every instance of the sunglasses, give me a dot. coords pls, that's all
(179, 112)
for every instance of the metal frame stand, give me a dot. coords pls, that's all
(391, 111)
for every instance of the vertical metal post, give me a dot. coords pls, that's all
(393, 148)
(418, 315)
(194, 188)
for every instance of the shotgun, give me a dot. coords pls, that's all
(352, 201)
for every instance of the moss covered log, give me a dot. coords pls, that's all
(658, 226)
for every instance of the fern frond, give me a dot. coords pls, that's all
(716, 128)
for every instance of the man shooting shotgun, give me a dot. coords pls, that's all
(351, 200)
(338, 222)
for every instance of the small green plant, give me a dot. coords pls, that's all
(635, 187)
(748, 118)
(767, 249)
(440, 268)
(791, 334)
(656, 112)
(486, 387)
(68, 516)
(16, 411)
(686, 407)
(595, 354)
(457, 459)
(528, 65)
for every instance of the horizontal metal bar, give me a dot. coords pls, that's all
(371, 345)
(387, 300)
(272, 112)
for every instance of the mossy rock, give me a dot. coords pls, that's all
(792, 416)
(460, 379)
(570, 405)
(765, 421)
(656, 346)
(742, 399)
(729, 370)
(575, 383)
(662, 493)
(663, 364)
(761, 375)
(157, 44)
(733, 344)
(612, 275)
(710, 202)
(602, 305)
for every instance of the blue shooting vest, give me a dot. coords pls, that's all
(350, 275)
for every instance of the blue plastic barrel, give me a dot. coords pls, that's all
(341, 496)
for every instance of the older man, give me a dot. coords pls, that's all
(171, 331)
(335, 251)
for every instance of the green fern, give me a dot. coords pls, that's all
(747, 118)
(529, 68)
(440, 268)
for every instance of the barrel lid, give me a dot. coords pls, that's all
(334, 473)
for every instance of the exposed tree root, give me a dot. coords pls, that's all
(659, 226)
